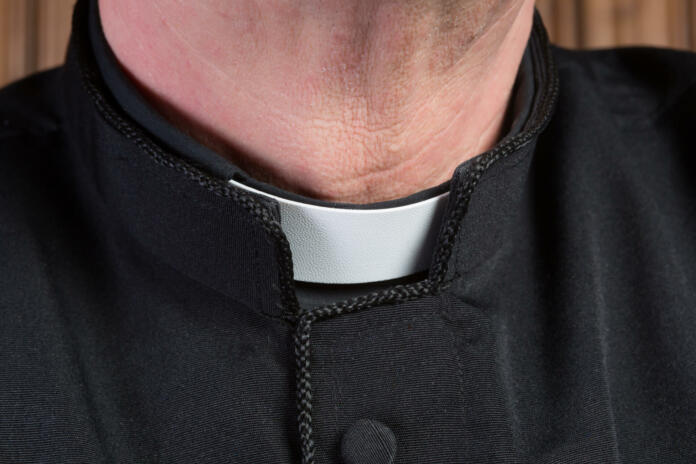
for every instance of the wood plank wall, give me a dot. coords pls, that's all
(607, 23)
(34, 33)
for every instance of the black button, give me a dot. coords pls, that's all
(368, 442)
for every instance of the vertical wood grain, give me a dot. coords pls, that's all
(692, 23)
(653, 22)
(597, 21)
(678, 23)
(53, 28)
(17, 44)
(567, 23)
(626, 25)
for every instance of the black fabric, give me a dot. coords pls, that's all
(148, 312)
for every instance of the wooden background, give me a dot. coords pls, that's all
(34, 33)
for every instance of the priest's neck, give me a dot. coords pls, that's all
(354, 101)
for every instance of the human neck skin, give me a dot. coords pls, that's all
(353, 101)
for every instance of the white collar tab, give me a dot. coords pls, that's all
(349, 246)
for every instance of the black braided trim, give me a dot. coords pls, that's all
(548, 83)
(261, 214)
(303, 389)
(396, 294)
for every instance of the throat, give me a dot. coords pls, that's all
(360, 103)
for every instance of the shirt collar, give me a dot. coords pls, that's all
(172, 195)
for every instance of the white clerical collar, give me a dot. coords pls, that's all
(348, 246)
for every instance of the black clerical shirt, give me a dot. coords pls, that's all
(148, 311)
